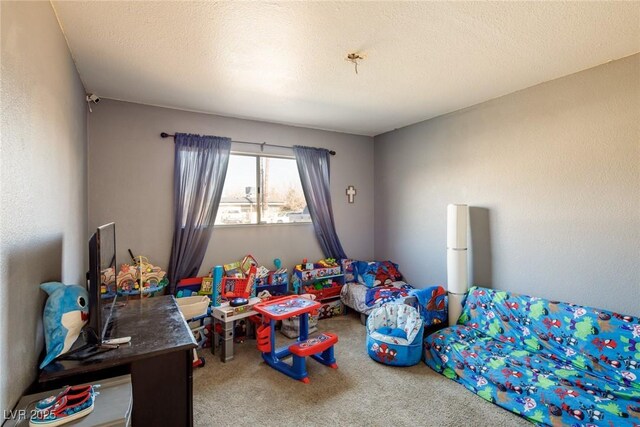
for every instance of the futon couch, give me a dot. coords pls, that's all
(550, 362)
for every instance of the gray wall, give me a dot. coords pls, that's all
(43, 169)
(554, 174)
(131, 183)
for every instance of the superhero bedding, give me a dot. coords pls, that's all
(360, 296)
(372, 284)
(365, 300)
(552, 363)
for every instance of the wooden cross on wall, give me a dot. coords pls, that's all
(351, 193)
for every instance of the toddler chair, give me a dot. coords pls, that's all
(394, 335)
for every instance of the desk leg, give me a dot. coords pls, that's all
(216, 336)
(304, 326)
(226, 354)
(164, 399)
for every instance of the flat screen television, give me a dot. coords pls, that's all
(101, 285)
(102, 282)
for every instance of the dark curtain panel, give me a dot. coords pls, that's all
(313, 166)
(199, 172)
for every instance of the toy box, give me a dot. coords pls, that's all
(316, 273)
(331, 308)
(277, 282)
(274, 290)
(279, 277)
(323, 291)
(317, 279)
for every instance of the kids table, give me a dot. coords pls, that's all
(319, 348)
(226, 315)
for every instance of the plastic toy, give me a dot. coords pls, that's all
(142, 278)
(206, 287)
(240, 331)
(65, 313)
(319, 348)
(217, 291)
(328, 262)
(246, 264)
(108, 283)
(277, 263)
(195, 310)
(233, 269)
(235, 287)
(237, 302)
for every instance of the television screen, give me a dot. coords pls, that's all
(102, 280)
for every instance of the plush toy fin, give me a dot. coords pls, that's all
(51, 287)
(51, 354)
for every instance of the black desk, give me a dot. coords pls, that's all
(159, 360)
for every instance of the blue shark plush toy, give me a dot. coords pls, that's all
(65, 313)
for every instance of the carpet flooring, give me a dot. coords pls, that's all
(361, 392)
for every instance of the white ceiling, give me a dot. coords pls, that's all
(285, 61)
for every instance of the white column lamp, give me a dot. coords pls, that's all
(457, 273)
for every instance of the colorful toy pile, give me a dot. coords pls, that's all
(553, 363)
(274, 282)
(142, 278)
(318, 277)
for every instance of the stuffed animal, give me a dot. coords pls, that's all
(65, 313)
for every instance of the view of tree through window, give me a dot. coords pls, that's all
(263, 190)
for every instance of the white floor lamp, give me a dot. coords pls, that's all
(457, 274)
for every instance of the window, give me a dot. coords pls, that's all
(262, 190)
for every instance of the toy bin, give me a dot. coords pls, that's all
(291, 326)
(331, 309)
(193, 306)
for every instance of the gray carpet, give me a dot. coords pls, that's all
(246, 391)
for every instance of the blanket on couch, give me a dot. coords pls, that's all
(550, 362)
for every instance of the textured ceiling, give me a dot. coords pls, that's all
(284, 62)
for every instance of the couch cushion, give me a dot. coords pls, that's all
(603, 343)
(539, 387)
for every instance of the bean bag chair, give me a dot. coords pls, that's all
(394, 335)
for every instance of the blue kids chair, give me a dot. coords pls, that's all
(394, 335)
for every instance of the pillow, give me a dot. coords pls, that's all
(372, 274)
(376, 273)
(393, 332)
(392, 271)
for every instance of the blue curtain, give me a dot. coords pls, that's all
(313, 167)
(200, 169)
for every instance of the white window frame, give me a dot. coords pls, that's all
(260, 193)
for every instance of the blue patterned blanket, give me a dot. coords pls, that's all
(379, 295)
(550, 362)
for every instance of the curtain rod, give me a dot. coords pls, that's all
(261, 144)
